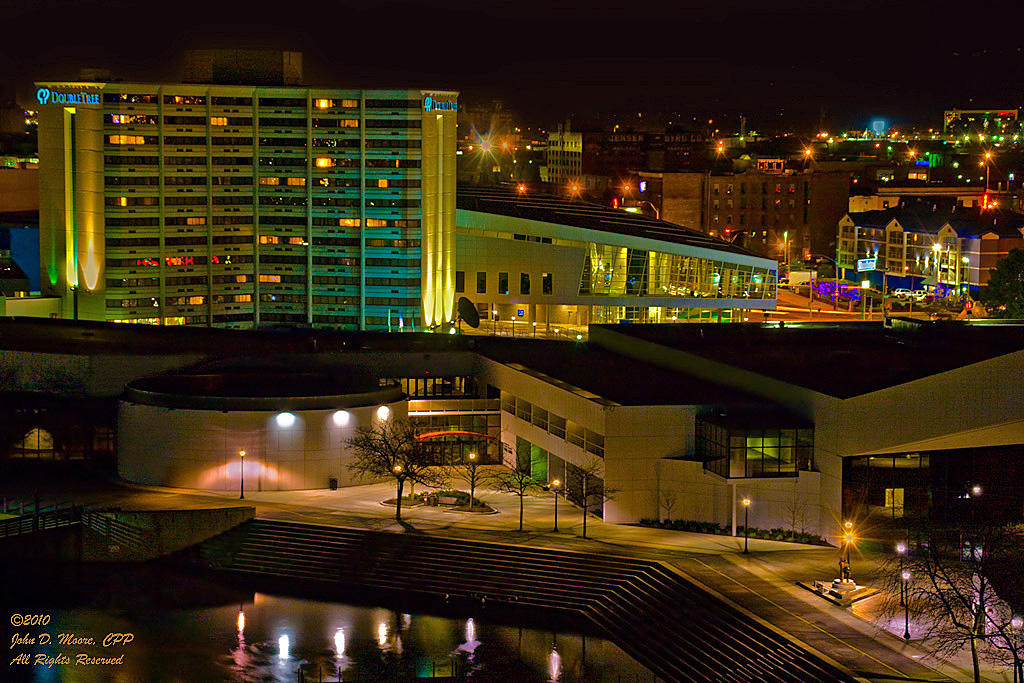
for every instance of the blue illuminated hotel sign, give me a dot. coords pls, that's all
(865, 264)
(46, 96)
(430, 104)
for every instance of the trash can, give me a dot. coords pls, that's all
(333, 483)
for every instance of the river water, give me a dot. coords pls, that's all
(266, 638)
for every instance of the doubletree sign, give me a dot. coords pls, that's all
(430, 104)
(46, 96)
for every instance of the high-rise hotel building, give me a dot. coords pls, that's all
(240, 205)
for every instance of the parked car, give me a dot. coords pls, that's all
(919, 294)
(902, 293)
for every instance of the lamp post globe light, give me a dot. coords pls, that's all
(554, 489)
(746, 523)
(241, 475)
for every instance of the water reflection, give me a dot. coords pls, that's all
(270, 638)
(283, 647)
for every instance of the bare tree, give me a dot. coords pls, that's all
(391, 448)
(669, 501)
(950, 593)
(469, 469)
(518, 481)
(796, 513)
(585, 486)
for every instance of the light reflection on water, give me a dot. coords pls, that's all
(270, 638)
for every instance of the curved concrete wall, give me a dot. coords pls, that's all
(198, 449)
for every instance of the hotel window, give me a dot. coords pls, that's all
(546, 285)
(502, 283)
(126, 139)
(301, 182)
(460, 281)
(350, 103)
(348, 222)
(376, 223)
(382, 182)
(270, 278)
(324, 162)
(481, 283)
(324, 104)
(714, 189)
(271, 180)
(524, 283)
(195, 221)
(218, 120)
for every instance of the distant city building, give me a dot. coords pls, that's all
(241, 205)
(765, 211)
(572, 154)
(924, 245)
(979, 121)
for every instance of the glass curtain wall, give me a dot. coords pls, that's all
(620, 271)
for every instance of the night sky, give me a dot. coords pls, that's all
(782, 64)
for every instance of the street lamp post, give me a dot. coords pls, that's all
(901, 550)
(1015, 623)
(847, 542)
(554, 489)
(906, 605)
(472, 479)
(241, 475)
(513, 326)
(746, 523)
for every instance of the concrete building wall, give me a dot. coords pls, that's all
(682, 200)
(30, 307)
(637, 439)
(199, 448)
(19, 189)
(788, 503)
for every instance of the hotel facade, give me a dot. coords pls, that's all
(239, 206)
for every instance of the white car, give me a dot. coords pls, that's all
(919, 294)
(901, 293)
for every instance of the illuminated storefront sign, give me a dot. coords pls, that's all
(430, 104)
(46, 96)
(865, 264)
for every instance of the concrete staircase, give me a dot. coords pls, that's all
(675, 628)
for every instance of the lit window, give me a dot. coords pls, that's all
(270, 278)
(350, 103)
(324, 162)
(296, 240)
(218, 120)
(270, 181)
(348, 222)
(324, 104)
(376, 223)
(195, 221)
(269, 239)
(382, 182)
(124, 201)
(126, 139)
(297, 181)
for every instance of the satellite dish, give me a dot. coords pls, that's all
(468, 312)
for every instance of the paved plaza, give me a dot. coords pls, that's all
(762, 582)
